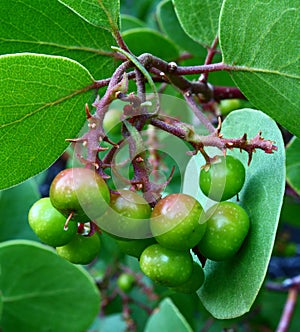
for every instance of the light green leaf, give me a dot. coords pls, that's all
(109, 323)
(144, 40)
(167, 318)
(43, 292)
(14, 206)
(42, 104)
(101, 13)
(170, 25)
(30, 26)
(231, 287)
(199, 19)
(261, 40)
(293, 164)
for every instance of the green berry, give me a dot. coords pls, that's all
(112, 123)
(128, 217)
(48, 223)
(125, 282)
(227, 227)
(193, 283)
(229, 105)
(224, 178)
(81, 250)
(165, 266)
(134, 247)
(80, 191)
(176, 222)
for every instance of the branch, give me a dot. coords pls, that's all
(288, 310)
(186, 133)
(197, 111)
(210, 54)
(227, 92)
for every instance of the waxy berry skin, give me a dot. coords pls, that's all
(176, 222)
(48, 223)
(223, 180)
(79, 191)
(165, 266)
(227, 228)
(81, 250)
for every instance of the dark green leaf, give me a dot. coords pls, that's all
(293, 164)
(130, 22)
(231, 286)
(43, 292)
(170, 25)
(199, 19)
(1, 304)
(260, 39)
(14, 206)
(30, 26)
(42, 104)
(167, 318)
(102, 13)
(144, 40)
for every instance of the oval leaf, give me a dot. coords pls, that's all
(170, 25)
(167, 318)
(199, 19)
(260, 38)
(66, 34)
(42, 104)
(293, 164)
(102, 13)
(144, 40)
(231, 287)
(43, 292)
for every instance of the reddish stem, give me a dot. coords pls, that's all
(288, 310)
(210, 54)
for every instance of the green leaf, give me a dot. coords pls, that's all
(14, 206)
(199, 19)
(170, 25)
(101, 13)
(42, 104)
(144, 40)
(114, 322)
(293, 164)
(30, 26)
(43, 292)
(261, 40)
(167, 318)
(130, 22)
(231, 287)
(1, 304)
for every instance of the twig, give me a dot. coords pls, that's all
(288, 310)
(197, 111)
(210, 54)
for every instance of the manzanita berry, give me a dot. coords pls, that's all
(223, 179)
(176, 222)
(81, 249)
(127, 217)
(165, 266)
(48, 223)
(80, 191)
(227, 227)
(193, 283)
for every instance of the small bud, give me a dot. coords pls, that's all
(92, 125)
(172, 66)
